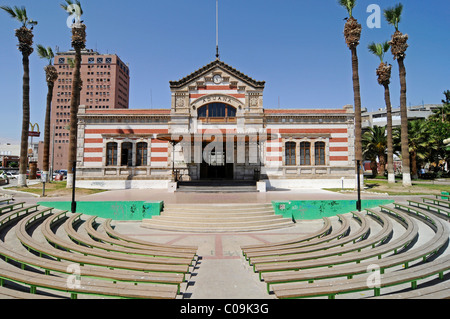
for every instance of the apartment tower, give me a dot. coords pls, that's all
(106, 82)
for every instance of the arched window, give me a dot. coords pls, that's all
(216, 110)
(141, 154)
(305, 153)
(111, 154)
(320, 153)
(290, 153)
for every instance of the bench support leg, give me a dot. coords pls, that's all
(33, 290)
(414, 285)
(377, 292)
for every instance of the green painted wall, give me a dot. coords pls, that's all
(317, 209)
(132, 210)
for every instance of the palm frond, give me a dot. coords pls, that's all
(68, 4)
(386, 46)
(71, 62)
(393, 15)
(19, 14)
(45, 53)
(10, 11)
(379, 49)
(376, 49)
(349, 5)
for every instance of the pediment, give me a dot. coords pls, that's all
(206, 73)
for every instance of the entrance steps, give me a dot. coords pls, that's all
(217, 218)
(217, 187)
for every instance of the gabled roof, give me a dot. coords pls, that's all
(217, 63)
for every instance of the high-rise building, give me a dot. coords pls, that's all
(106, 82)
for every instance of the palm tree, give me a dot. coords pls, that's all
(78, 43)
(374, 144)
(421, 143)
(352, 34)
(25, 36)
(51, 75)
(442, 114)
(398, 49)
(384, 79)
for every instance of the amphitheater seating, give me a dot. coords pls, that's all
(297, 242)
(344, 279)
(403, 244)
(47, 267)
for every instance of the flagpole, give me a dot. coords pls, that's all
(217, 29)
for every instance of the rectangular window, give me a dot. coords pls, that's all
(320, 153)
(305, 153)
(111, 154)
(290, 153)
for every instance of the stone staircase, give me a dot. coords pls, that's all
(217, 218)
(217, 187)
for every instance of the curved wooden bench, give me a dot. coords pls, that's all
(442, 196)
(348, 271)
(430, 207)
(7, 293)
(262, 257)
(88, 287)
(354, 253)
(7, 217)
(5, 200)
(110, 257)
(325, 243)
(296, 242)
(106, 251)
(409, 274)
(34, 280)
(10, 207)
(103, 241)
(437, 201)
(437, 291)
(116, 235)
(96, 267)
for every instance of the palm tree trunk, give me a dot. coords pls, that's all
(357, 99)
(22, 182)
(404, 125)
(414, 171)
(390, 146)
(46, 155)
(72, 157)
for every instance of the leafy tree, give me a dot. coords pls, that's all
(374, 147)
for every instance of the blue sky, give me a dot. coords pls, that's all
(296, 46)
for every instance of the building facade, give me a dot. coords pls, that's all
(216, 129)
(106, 82)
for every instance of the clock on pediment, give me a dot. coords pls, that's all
(217, 79)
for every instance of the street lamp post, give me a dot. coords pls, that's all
(358, 203)
(74, 171)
